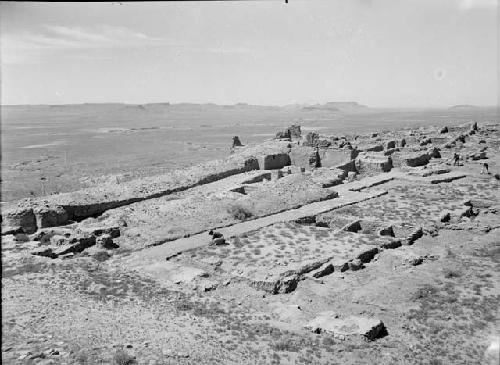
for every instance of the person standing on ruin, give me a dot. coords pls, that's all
(456, 159)
(484, 169)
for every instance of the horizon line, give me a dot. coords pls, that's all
(259, 105)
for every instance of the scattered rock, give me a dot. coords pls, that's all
(21, 237)
(207, 285)
(45, 252)
(443, 130)
(106, 241)
(392, 244)
(369, 328)
(76, 245)
(467, 212)
(479, 156)
(326, 269)
(355, 265)
(218, 242)
(390, 145)
(415, 235)
(415, 261)
(434, 152)
(351, 176)
(445, 217)
(353, 226)
(425, 141)
(387, 231)
(113, 231)
(309, 220)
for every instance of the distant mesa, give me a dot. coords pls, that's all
(463, 106)
(336, 106)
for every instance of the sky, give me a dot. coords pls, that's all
(380, 53)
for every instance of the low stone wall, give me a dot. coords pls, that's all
(59, 209)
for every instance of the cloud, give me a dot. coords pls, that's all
(28, 47)
(31, 48)
(477, 4)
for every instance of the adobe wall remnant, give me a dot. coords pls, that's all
(314, 159)
(284, 135)
(371, 148)
(274, 161)
(292, 132)
(21, 219)
(411, 159)
(373, 163)
(91, 202)
(332, 157)
(236, 142)
(295, 131)
(311, 139)
(299, 156)
(50, 216)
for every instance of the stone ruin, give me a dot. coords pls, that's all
(236, 142)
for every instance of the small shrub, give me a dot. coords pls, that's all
(450, 273)
(450, 253)
(123, 358)
(425, 292)
(81, 358)
(100, 257)
(237, 242)
(239, 212)
(286, 346)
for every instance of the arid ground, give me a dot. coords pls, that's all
(363, 242)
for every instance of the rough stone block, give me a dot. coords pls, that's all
(19, 219)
